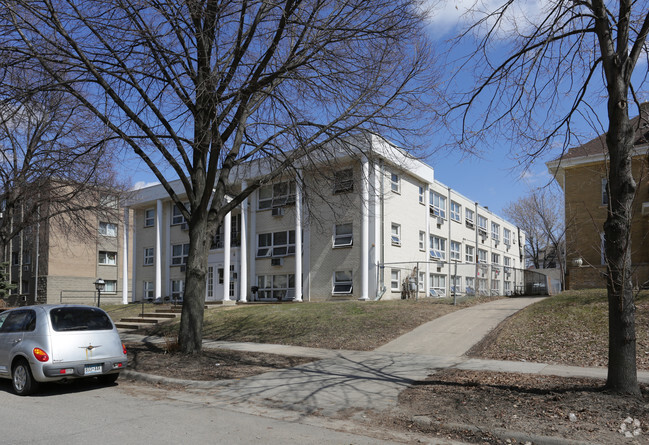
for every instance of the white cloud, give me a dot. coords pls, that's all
(447, 15)
(142, 184)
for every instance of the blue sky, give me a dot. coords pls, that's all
(495, 179)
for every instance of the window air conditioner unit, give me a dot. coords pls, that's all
(276, 261)
(26, 268)
(440, 221)
(184, 226)
(277, 211)
(183, 268)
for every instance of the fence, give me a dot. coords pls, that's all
(90, 297)
(457, 279)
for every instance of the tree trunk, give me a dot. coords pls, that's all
(622, 374)
(190, 337)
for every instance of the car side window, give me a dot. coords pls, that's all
(30, 321)
(15, 321)
(3, 317)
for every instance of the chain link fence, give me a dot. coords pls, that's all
(438, 279)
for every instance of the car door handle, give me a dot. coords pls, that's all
(18, 340)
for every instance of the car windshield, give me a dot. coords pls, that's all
(79, 319)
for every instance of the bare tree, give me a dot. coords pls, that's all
(535, 80)
(54, 165)
(538, 214)
(200, 87)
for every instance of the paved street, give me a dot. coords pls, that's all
(88, 414)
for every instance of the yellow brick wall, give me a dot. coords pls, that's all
(585, 217)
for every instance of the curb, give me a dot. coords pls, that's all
(501, 433)
(156, 379)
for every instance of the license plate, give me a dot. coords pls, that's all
(93, 369)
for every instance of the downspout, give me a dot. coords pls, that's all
(382, 265)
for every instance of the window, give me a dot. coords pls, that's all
(148, 256)
(469, 252)
(280, 287)
(276, 195)
(469, 215)
(177, 289)
(455, 251)
(422, 240)
(602, 248)
(456, 283)
(210, 281)
(395, 183)
(264, 244)
(396, 234)
(495, 231)
(276, 244)
(107, 258)
(179, 254)
(482, 256)
(149, 290)
(495, 287)
(495, 259)
(177, 216)
(110, 286)
(27, 257)
(507, 237)
(108, 229)
(438, 283)
(438, 204)
(395, 279)
(15, 259)
(343, 235)
(507, 287)
(344, 181)
(421, 195)
(109, 201)
(482, 223)
(470, 285)
(149, 217)
(604, 191)
(342, 282)
(507, 262)
(456, 211)
(437, 248)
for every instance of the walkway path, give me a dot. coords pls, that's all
(357, 380)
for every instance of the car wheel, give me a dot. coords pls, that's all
(22, 379)
(107, 379)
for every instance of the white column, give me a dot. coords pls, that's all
(298, 240)
(252, 252)
(243, 258)
(125, 228)
(227, 230)
(427, 240)
(158, 250)
(365, 233)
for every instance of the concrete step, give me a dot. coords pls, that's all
(165, 314)
(128, 326)
(140, 320)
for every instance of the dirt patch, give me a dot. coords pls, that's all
(571, 408)
(212, 364)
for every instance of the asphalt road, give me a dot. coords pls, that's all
(83, 413)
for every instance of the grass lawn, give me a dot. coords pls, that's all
(570, 328)
(353, 325)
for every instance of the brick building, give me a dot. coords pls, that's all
(582, 174)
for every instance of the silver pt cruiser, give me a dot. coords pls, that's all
(57, 342)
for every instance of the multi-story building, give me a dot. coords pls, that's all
(582, 173)
(51, 262)
(371, 224)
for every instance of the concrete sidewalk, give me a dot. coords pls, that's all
(359, 380)
(454, 334)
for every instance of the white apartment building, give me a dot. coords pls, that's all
(372, 223)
